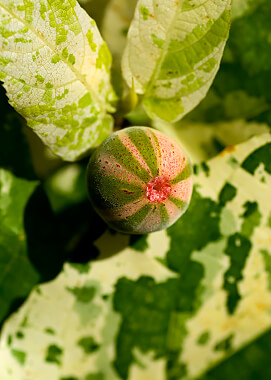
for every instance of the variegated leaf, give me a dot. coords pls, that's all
(173, 53)
(165, 306)
(55, 68)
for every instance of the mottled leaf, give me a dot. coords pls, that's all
(168, 305)
(36, 238)
(55, 68)
(173, 53)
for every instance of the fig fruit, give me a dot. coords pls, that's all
(139, 180)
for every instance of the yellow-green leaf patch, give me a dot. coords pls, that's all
(53, 56)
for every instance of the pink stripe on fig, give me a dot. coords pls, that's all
(110, 166)
(183, 190)
(132, 180)
(171, 208)
(125, 211)
(152, 222)
(172, 158)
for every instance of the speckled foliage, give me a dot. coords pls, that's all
(56, 70)
(56, 67)
(173, 52)
(167, 305)
(139, 180)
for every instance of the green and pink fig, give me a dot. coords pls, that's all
(139, 180)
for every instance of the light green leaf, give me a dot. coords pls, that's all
(55, 68)
(173, 53)
(116, 23)
(203, 141)
(241, 7)
(168, 305)
(17, 274)
(66, 187)
(117, 18)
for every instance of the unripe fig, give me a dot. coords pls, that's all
(139, 180)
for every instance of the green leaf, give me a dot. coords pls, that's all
(173, 53)
(17, 274)
(245, 40)
(168, 305)
(241, 88)
(66, 187)
(56, 70)
(252, 362)
(235, 95)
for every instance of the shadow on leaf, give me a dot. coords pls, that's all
(53, 238)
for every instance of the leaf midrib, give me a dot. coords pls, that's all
(79, 76)
(165, 50)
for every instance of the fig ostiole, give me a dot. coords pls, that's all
(139, 180)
